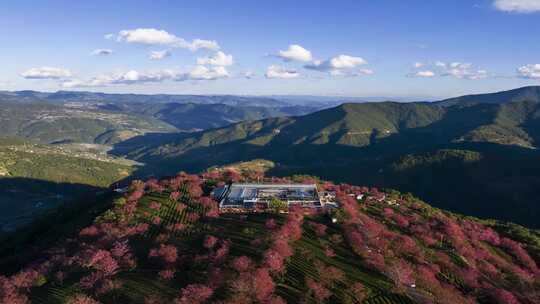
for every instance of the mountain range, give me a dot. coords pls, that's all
(474, 154)
(109, 118)
(436, 150)
(160, 236)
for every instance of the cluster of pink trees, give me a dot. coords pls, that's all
(320, 229)
(319, 292)
(82, 299)
(397, 249)
(167, 256)
(194, 294)
(413, 245)
(14, 289)
(257, 282)
(102, 249)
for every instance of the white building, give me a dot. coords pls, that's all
(250, 196)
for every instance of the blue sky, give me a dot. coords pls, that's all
(350, 48)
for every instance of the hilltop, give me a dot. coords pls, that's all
(478, 158)
(530, 93)
(366, 143)
(166, 241)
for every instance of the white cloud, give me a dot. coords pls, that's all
(336, 65)
(295, 52)
(345, 61)
(464, 71)
(418, 65)
(219, 59)
(531, 71)
(101, 52)
(366, 72)
(129, 77)
(455, 69)
(352, 73)
(203, 44)
(275, 71)
(148, 36)
(518, 6)
(153, 36)
(136, 77)
(203, 73)
(158, 55)
(46, 73)
(425, 74)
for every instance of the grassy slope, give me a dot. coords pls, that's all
(39, 177)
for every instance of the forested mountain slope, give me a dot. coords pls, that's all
(530, 93)
(366, 142)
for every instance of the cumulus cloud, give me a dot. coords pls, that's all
(518, 6)
(203, 73)
(151, 36)
(129, 77)
(339, 65)
(295, 52)
(464, 71)
(418, 64)
(136, 77)
(148, 36)
(101, 52)
(158, 55)
(280, 72)
(46, 73)
(345, 61)
(424, 73)
(203, 44)
(219, 59)
(455, 69)
(530, 71)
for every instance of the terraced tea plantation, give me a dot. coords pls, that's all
(166, 242)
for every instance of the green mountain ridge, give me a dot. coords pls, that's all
(529, 93)
(364, 143)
